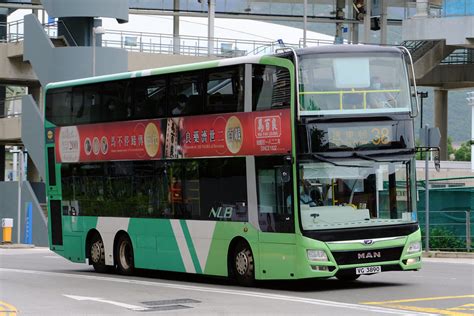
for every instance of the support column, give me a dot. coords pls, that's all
(441, 119)
(383, 23)
(3, 36)
(305, 20)
(2, 147)
(210, 27)
(368, 10)
(340, 4)
(176, 41)
(422, 8)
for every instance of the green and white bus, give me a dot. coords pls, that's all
(287, 166)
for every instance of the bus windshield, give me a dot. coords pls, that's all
(355, 193)
(356, 83)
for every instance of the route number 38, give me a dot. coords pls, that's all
(380, 136)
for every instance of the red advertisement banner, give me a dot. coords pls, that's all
(238, 134)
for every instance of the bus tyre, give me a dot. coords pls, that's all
(347, 276)
(243, 264)
(97, 254)
(124, 255)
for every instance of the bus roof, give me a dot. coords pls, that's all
(348, 49)
(156, 71)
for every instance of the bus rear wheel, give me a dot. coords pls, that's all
(243, 264)
(97, 254)
(124, 255)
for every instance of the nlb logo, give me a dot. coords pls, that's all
(222, 212)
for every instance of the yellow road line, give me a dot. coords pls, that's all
(7, 309)
(426, 310)
(465, 307)
(420, 299)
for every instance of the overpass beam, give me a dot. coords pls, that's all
(441, 119)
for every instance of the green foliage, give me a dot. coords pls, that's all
(444, 239)
(464, 152)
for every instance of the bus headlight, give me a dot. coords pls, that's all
(414, 247)
(316, 255)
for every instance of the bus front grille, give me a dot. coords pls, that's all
(367, 256)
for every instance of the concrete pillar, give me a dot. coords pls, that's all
(176, 41)
(210, 26)
(305, 20)
(368, 10)
(383, 22)
(340, 5)
(441, 119)
(3, 36)
(422, 8)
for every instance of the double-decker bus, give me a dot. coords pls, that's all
(287, 166)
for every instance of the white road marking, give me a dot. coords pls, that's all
(221, 291)
(101, 300)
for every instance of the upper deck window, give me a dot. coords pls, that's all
(353, 83)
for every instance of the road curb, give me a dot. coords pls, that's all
(445, 254)
(16, 246)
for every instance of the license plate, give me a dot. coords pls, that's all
(368, 270)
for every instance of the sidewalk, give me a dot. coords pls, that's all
(15, 246)
(448, 254)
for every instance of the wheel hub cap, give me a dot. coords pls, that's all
(241, 263)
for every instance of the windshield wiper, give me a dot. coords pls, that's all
(366, 157)
(326, 159)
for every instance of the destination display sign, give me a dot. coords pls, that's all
(359, 136)
(237, 134)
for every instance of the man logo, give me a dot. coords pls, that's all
(368, 242)
(369, 255)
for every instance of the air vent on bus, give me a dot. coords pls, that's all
(56, 222)
(51, 167)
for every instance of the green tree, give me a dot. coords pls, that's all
(464, 152)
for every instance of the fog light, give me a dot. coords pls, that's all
(319, 268)
(413, 260)
(316, 255)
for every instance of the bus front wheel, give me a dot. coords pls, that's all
(124, 255)
(243, 264)
(97, 254)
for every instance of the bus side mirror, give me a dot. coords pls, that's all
(285, 174)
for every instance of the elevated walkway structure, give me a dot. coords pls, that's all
(443, 49)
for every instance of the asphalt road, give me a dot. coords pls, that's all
(38, 282)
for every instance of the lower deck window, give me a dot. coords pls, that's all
(211, 189)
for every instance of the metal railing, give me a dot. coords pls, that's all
(452, 230)
(451, 214)
(184, 45)
(168, 44)
(11, 106)
(460, 57)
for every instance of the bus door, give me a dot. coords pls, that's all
(275, 217)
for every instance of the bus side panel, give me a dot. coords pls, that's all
(75, 230)
(225, 232)
(155, 244)
(277, 255)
